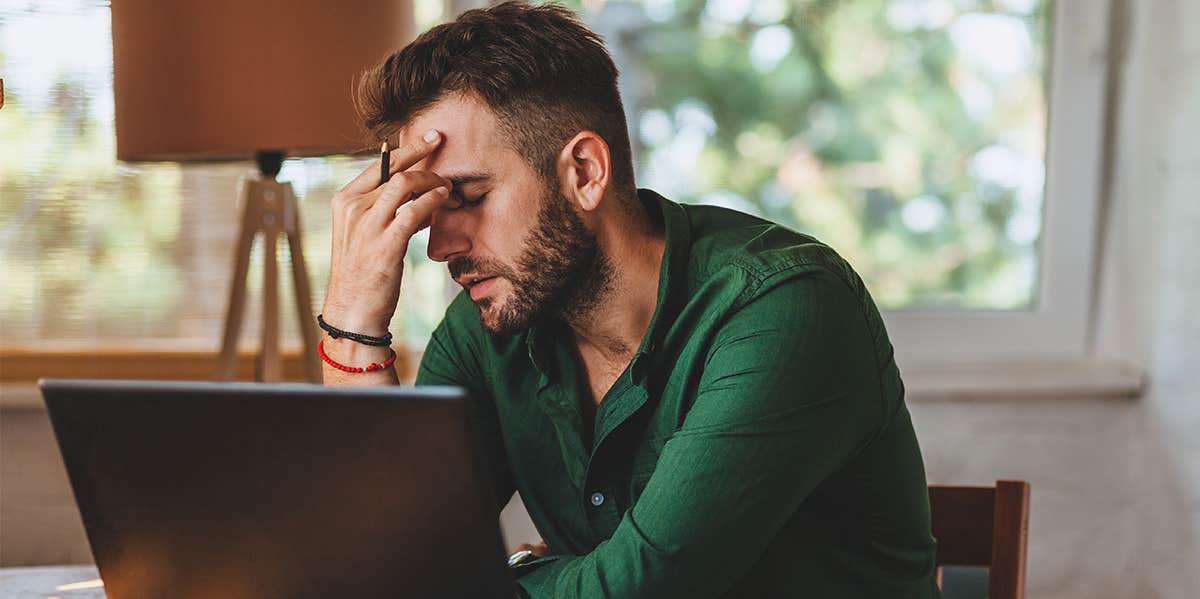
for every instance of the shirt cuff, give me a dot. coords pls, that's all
(535, 578)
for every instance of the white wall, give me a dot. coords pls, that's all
(1116, 483)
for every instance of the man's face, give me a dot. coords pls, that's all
(517, 244)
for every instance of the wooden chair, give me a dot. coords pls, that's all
(984, 526)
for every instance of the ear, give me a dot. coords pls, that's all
(584, 167)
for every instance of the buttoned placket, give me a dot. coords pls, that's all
(630, 395)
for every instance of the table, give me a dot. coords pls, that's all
(50, 581)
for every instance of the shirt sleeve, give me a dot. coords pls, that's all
(452, 357)
(789, 394)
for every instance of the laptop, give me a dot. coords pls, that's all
(232, 490)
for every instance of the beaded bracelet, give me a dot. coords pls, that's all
(337, 333)
(342, 367)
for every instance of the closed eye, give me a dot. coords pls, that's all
(474, 202)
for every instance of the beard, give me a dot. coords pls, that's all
(560, 273)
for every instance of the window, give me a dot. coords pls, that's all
(948, 148)
(911, 135)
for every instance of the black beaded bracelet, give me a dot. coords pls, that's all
(336, 333)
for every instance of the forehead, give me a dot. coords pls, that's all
(471, 139)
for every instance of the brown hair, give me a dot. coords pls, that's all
(542, 72)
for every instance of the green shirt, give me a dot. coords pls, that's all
(757, 445)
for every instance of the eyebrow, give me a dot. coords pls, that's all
(468, 177)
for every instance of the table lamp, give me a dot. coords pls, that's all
(206, 80)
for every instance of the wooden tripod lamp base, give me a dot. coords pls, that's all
(272, 210)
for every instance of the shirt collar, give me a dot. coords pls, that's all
(671, 286)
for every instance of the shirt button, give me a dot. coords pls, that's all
(597, 499)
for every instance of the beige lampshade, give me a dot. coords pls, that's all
(223, 79)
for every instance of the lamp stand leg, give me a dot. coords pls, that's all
(227, 362)
(272, 209)
(270, 366)
(308, 328)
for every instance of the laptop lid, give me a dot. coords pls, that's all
(279, 490)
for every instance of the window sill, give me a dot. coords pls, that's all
(1084, 378)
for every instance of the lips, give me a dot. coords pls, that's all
(480, 287)
(467, 281)
(478, 281)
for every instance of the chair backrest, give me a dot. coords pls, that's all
(984, 526)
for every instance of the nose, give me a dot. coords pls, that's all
(449, 234)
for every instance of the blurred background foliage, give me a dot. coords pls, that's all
(907, 134)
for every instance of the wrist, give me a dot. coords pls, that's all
(350, 352)
(375, 340)
(348, 320)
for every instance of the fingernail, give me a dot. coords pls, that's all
(430, 136)
(442, 191)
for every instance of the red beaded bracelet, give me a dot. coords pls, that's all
(342, 367)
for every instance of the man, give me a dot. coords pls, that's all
(693, 402)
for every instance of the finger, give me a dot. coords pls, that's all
(364, 182)
(403, 187)
(399, 159)
(413, 216)
(403, 158)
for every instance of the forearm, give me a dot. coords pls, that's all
(373, 221)
(350, 353)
